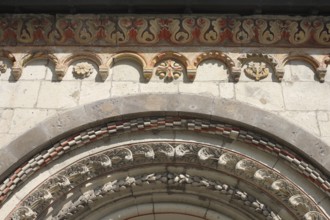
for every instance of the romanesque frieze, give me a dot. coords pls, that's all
(112, 30)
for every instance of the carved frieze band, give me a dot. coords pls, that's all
(217, 158)
(168, 65)
(22, 173)
(110, 30)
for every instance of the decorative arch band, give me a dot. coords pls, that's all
(191, 124)
(171, 166)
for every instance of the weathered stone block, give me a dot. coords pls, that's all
(92, 91)
(19, 94)
(59, 94)
(265, 95)
(306, 95)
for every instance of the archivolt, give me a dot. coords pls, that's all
(170, 168)
(266, 179)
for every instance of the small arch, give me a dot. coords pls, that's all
(130, 56)
(38, 55)
(64, 64)
(190, 69)
(136, 58)
(171, 55)
(215, 55)
(319, 70)
(266, 58)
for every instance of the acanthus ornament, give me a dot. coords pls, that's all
(82, 70)
(169, 70)
(256, 70)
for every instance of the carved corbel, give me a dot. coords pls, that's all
(104, 71)
(3, 67)
(321, 72)
(60, 70)
(16, 71)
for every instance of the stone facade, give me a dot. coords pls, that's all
(72, 83)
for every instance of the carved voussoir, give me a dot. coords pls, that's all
(24, 213)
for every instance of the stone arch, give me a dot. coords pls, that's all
(135, 57)
(64, 63)
(317, 66)
(186, 113)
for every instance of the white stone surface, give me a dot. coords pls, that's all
(37, 70)
(266, 95)
(6, 138)
(19, 94)
(324, 123)
(227, 90)
(306, 95)
(306, 120)
(126, 70)
(25, 119)
(59, 94)
(160, 87)
(6, 116)
(124, 88)
(92, 91)
(327, 75)
(211, 70)
(298, 71)
(202, 88)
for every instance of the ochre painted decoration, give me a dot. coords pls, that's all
(112, 30)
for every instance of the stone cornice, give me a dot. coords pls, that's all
(144, 30)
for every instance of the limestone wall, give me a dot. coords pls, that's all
(300, 97)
